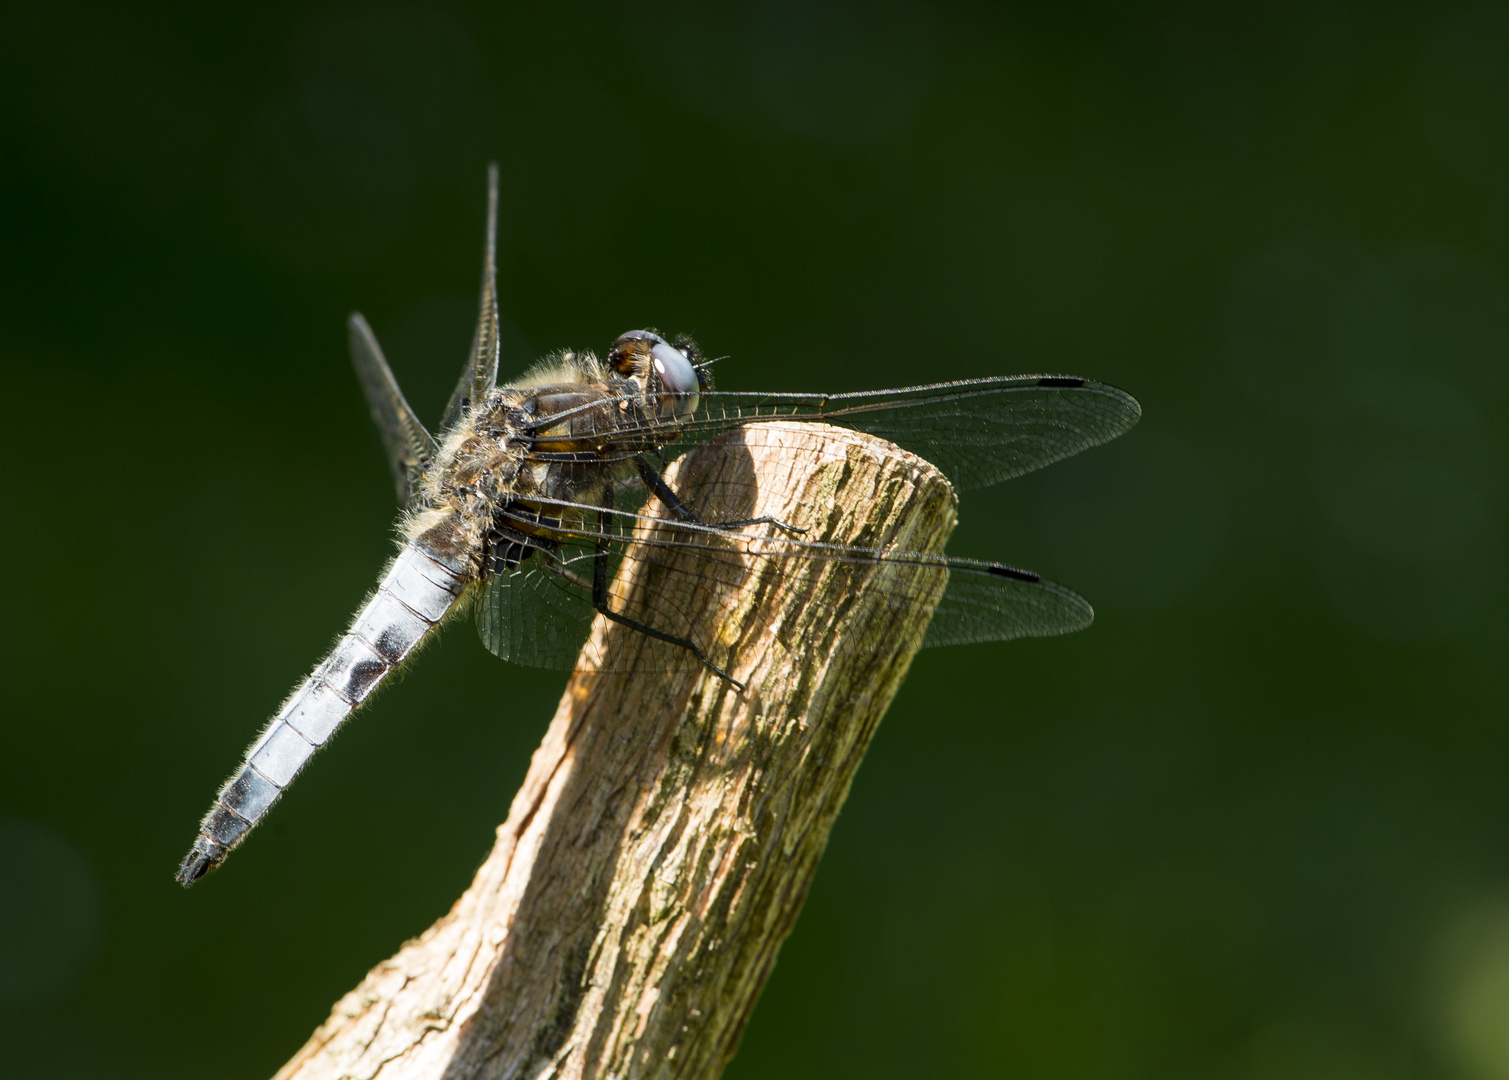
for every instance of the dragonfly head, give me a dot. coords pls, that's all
(668, 372)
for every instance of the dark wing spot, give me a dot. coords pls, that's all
(1014, 574)
(1061, 380)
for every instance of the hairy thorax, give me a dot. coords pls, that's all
(491, 462)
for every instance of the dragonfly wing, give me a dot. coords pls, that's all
(481, 371)
(539, 613)
(990, 602)
(979, 431)
(1007, 429)
(534, 614)
(681, 580)
(409, 447)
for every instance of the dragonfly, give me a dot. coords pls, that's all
(533, 503)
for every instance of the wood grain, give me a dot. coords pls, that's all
(664, 839)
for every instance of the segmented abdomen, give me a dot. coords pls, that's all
(415, 594)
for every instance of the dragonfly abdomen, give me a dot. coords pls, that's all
(412, 598)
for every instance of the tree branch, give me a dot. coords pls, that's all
(664, 839)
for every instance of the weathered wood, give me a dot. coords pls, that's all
(664, 839)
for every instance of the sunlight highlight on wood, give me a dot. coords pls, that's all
(664, 839)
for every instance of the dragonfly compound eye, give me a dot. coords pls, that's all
(676, 376)
(630, 348)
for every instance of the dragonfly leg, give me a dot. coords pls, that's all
(663, 492)
(600, 603)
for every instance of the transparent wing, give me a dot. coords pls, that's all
(535, 614)
(481, 371)
(409, 447)
(679, 580)
(993, 602)
(978, 431)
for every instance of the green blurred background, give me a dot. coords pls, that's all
(1253, 824)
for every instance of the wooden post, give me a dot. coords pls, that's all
(664, 839)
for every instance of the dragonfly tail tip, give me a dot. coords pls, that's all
(199, 861)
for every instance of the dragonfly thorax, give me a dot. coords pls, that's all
(566, 433)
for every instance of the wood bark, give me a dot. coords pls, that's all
(664, 839)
